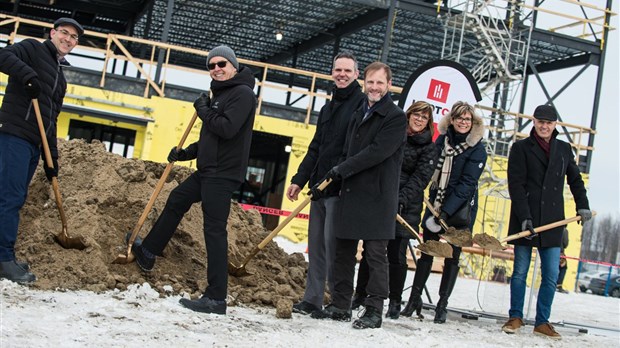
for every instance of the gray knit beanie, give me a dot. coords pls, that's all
(225, 52)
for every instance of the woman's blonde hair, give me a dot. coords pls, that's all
(424, 108)
(460, 108)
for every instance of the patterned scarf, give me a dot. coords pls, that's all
(441, 176)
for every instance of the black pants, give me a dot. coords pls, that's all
(344, 272)
(215, 195)
(397, 258)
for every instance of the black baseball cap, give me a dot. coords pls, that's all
(69, 21)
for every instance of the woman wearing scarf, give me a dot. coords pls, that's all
(454, 189)
(420, 156)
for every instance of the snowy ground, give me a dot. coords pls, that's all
(138, 317)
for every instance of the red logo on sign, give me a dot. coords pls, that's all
(438, 90)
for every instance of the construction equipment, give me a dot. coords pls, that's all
(63, 237)
(456, 237)
(488, 242)
(128, 257)
(240, 271)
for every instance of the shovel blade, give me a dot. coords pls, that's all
(123, 259)
(459, 238)
(70, 242)
(237, 271)
(488, 242)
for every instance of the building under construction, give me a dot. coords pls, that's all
(141, 64)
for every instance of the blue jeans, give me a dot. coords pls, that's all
(18, 160)
(549, 267)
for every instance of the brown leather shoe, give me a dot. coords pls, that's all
(547, 330)
(512, 325)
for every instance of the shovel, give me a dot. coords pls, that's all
(459, 238)
(128, 256)
(487, 242)
(240, 271)
(63, 237)
(427, 248)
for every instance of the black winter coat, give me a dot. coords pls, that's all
(536, 187)
(466, 170)
(223, 148)
(23, 61)
(419, 160)
(369, 194)
(326, 146)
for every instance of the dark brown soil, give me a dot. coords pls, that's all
(104, 196)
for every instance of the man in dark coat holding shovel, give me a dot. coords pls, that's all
(35, 71)
(222, 153)
(537, 167)
(323, 153)
(368, 197)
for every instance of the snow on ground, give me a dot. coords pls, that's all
(138, 317)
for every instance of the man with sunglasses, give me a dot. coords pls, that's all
(222, 153)
(35, 71)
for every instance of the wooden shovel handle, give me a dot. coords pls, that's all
(543, 228)
(294, 213)
(409, 228)
(430, 207)
(158, 187)
(49, 162)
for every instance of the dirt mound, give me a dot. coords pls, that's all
(104, 195)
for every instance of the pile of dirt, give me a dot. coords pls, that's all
(436, 248)
(104, 195)
(487, 242)
(458, 237)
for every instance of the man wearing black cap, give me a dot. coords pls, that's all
(35, 71)
(222, 153)
(537, 167)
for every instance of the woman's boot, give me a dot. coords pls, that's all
(423, 270)
(448, 279)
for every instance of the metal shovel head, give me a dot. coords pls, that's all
(123, 259)
(459, 238)
(486, 241)
(436, 248)
(69, 242)
(238, 271)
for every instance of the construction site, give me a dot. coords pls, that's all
(140, 65)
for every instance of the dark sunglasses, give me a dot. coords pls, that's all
(221, 64)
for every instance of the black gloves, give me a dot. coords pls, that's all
(585, 214)
(202, 104)
(51, 172)
(315, 193)
(33, 88)
(177, 155)
(333, 174)
(527, 225)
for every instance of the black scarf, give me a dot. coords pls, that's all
(344, 93)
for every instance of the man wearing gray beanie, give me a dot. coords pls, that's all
(222, 153)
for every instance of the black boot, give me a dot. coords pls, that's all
(423, 270)
(10, 270)
(371, 319)
(205, 305)
(398, 273)
(448, 279)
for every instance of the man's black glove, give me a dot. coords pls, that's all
(315, 193)
(333, 174)
(33, 88)
(585, 214)
(51, 172)
(177, 155)
(527, 225)
(202, 104)
(442, 216)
